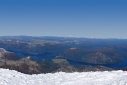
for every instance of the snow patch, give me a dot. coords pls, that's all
(11, 77)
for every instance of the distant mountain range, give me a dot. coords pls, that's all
(51, 54)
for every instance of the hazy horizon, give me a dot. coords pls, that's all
(66, 18)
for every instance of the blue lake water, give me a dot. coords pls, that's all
(36, 57)
(120, 64)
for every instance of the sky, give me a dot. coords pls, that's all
(67, 18)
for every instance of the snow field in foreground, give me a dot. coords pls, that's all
(11, 77)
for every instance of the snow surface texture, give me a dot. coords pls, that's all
(11, 77)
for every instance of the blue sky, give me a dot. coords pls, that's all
(69, 18)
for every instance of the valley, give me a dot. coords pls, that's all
(53, 54)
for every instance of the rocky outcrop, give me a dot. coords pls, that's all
(97, 68)
(14, 62)
(61, 62)
(24, 65)
(2, 52)
(71, 68)
(67, 69)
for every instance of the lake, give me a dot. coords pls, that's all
(36, 57)
(47, 55)
(120, 64)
